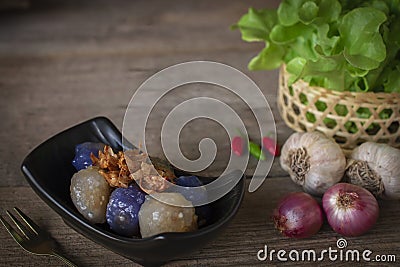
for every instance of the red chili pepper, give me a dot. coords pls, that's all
(271, 146)
(237, 145)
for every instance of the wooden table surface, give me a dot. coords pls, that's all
(63, 62)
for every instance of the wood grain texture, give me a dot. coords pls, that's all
(63, 62)
(250, 230)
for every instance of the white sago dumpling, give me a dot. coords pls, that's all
(155, 216)
(90, 193)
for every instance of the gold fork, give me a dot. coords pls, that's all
(33, 239)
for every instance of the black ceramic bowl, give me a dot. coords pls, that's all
(48, 170)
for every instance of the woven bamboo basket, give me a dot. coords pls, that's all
(306, 108)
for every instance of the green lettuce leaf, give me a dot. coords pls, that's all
(256, 24)
(288, 12)
(363, 45)
(271, 57)
(344, 45)
(308, 12)
(392, 84)
(329, 11)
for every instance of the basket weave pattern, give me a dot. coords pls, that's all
(309, 108)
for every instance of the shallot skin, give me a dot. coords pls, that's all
(351, 210)
(298, 215)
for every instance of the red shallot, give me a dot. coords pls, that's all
(298, 215)
(350, 209)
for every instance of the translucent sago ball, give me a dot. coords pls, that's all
(157, 217)
(90, 193)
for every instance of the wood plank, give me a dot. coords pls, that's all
(249, 231)
(62, 63)
(81, 90)
(74, 28)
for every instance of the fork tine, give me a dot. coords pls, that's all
(11, 230)
(35, 228)
(22, 228)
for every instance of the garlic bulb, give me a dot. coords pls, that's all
(375, 167)
(313, 161)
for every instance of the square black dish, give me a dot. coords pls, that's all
(48, 170)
